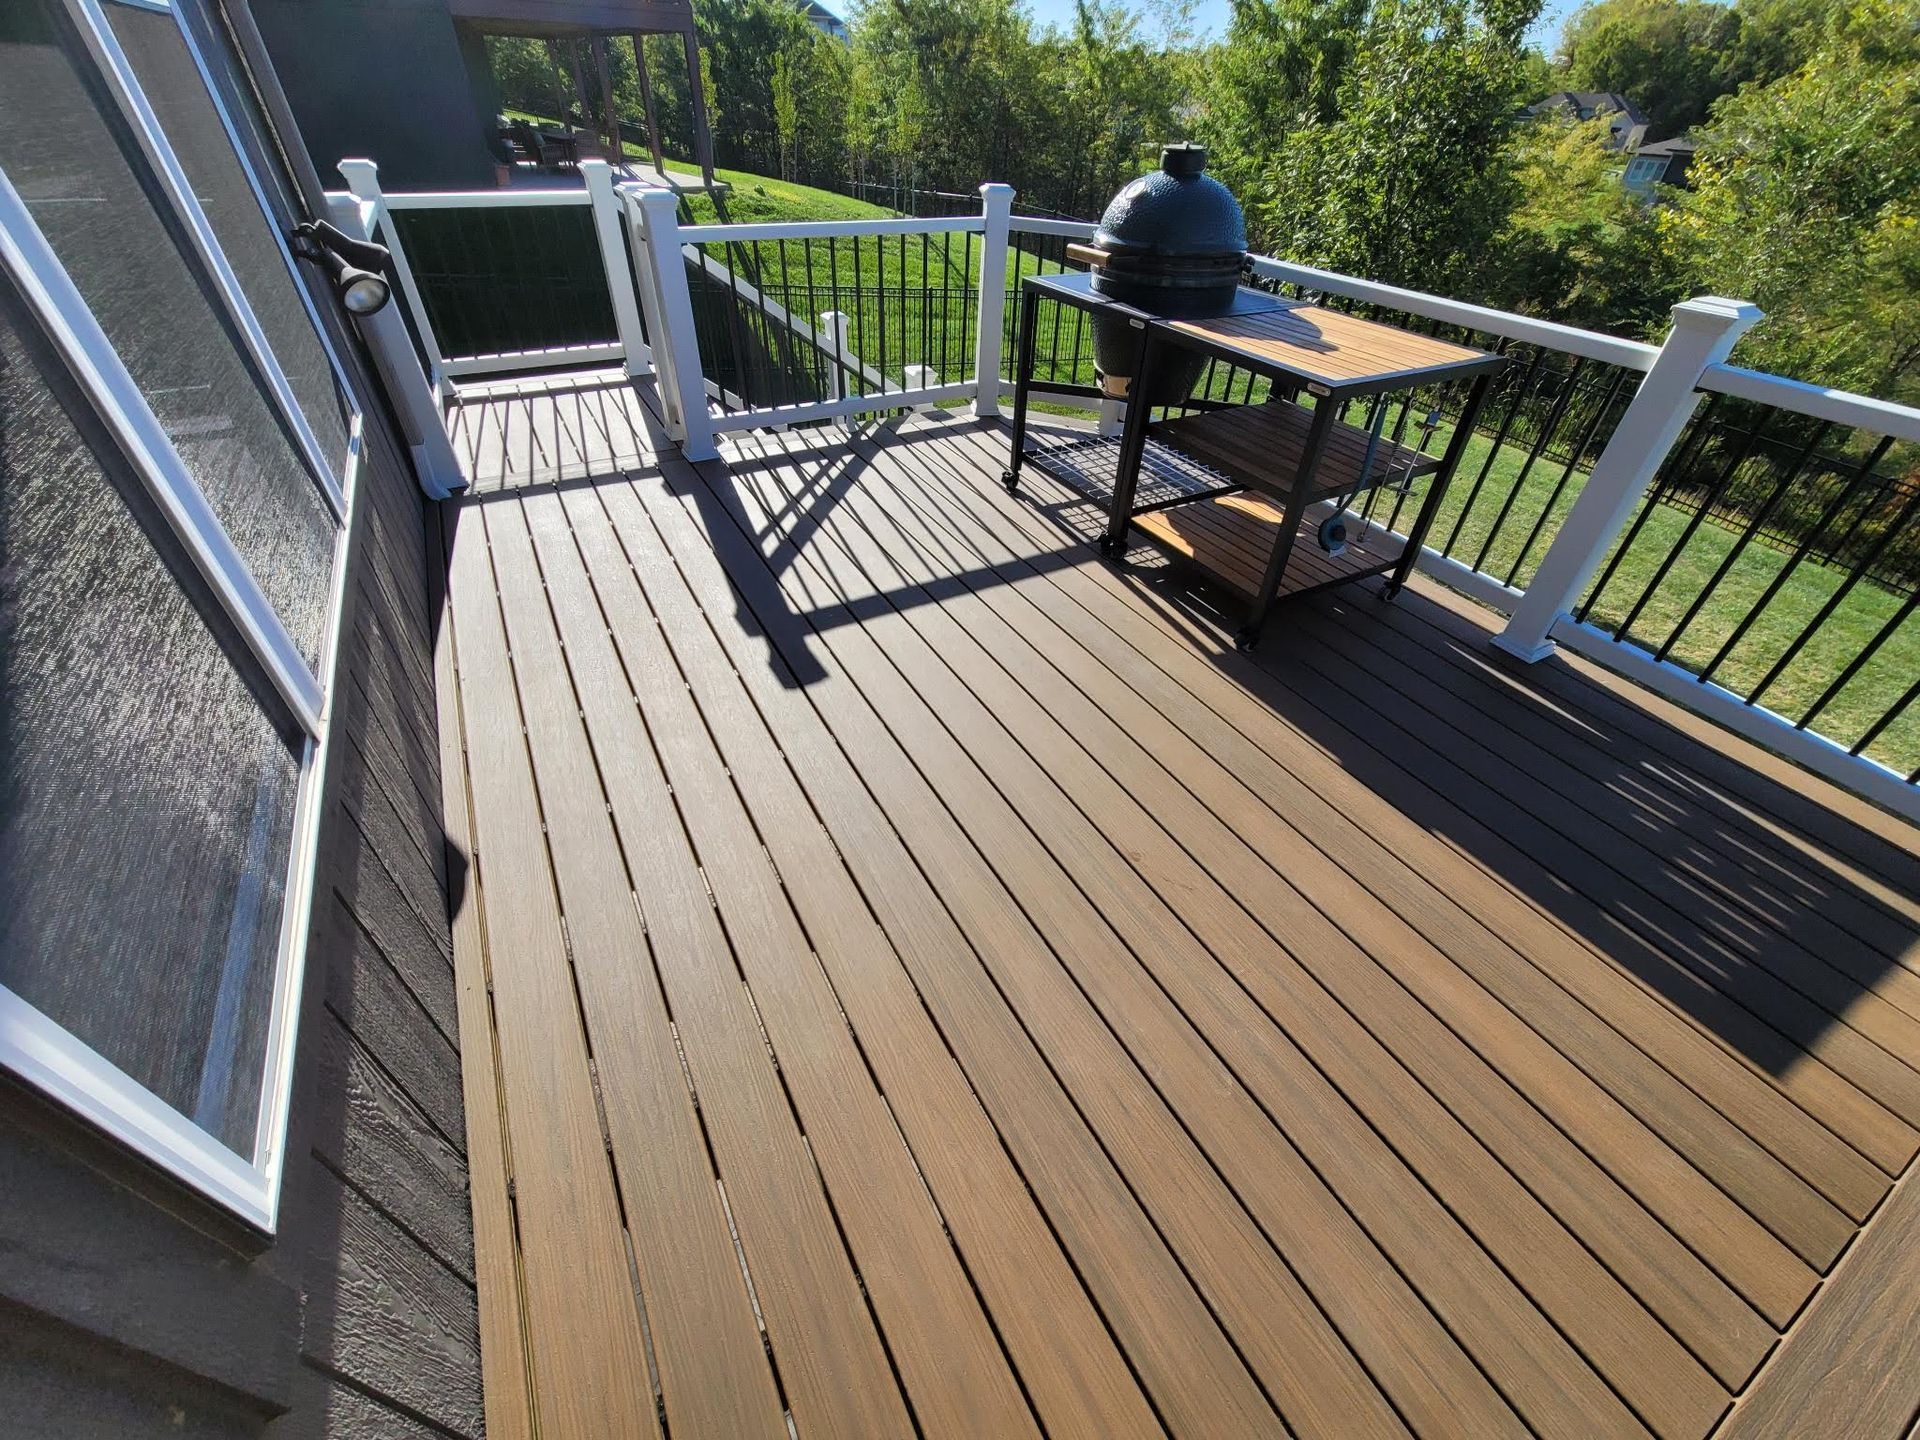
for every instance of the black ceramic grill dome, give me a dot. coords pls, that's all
(1173, 244)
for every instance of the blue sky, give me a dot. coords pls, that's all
(1212, 15)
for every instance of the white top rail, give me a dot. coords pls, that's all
(1842, 407)
(829, 229)
(1629, 354)
(483, 199)
(1034, 225)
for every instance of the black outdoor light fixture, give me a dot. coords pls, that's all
(356, 266)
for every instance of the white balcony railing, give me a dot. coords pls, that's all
(1603, 491)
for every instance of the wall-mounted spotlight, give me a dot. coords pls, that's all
(356, 267)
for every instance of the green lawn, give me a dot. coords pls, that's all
(1839, 640)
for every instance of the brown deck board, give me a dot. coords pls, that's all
(1065, 1356)
(1834, 921)
(1056, 1021)
(698, 1309)
(1184, 1360)
(506, 1386)
(833, 1365)
(1314, 786)
(1319, 1387)
(572, 1248)
(1699, 1307)
(1387, 1198)
(937, 1334)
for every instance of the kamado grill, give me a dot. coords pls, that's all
(1228, 489)
(1172, 244)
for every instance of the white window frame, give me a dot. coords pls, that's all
(32, 1044)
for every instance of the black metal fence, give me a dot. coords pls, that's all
(909, 301)
(500, 279)
(1779, 556)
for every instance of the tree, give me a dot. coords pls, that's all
(1804, 201)
(1668, 56)
(1409, 177)
(1579, 247)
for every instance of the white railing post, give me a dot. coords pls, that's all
(996, 208)
(660, 356)
(667, 270)
(920, 377)
(833, 329)
(1704, 330)
(613, 258)
(416, 401)
(363, 179)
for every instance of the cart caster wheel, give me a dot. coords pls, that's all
(1009, 479)
(1105, 546)
(1244, 640)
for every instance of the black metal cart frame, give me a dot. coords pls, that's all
(1329, 399)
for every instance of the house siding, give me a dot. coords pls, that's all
(130, 1307)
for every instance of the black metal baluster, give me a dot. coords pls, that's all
(1500, 438)
(1892, 713)
(1692, 527)
(1559, 488)
(1835, 600)
(1859, 662)
(1558, 409)
(1747, 536)
(1689, 445)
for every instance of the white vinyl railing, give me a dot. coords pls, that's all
(652, 302)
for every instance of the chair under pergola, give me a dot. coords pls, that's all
(598, 22)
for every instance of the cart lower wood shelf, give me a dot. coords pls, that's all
(1232, 536)
(1265, 445)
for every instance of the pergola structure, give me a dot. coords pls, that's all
(598, 21)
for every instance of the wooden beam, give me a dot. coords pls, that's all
(646, 101)
(609, 116)
(697, 92)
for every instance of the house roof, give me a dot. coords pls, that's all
(1678, 145)
(1590, 102)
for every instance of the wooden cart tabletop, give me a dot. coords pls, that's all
(1331, 352)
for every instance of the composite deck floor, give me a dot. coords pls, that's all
(917, 979)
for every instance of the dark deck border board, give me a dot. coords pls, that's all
(1517, 918)
(1851, 1366)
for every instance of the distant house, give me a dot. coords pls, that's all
(825, 21)
(1663, 162)
(1626, 122)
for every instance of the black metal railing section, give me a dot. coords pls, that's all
(503, 279)
(911, 303)
(1778, 556)
(1546, 422)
